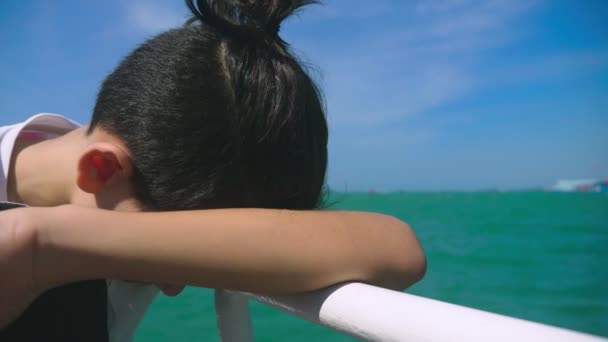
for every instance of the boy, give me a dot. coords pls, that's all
(208, 116)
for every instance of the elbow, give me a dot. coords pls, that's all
(406, 259)
(413, 271)
(416, 268)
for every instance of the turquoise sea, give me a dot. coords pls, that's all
(535, 255)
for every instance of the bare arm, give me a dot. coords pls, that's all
(257, 250)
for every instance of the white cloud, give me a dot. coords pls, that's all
(362, 97)
(353, 9)
(423, 56)
(547, 67)
(149, 17)
(426, 7)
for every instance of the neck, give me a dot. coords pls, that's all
(43, 173)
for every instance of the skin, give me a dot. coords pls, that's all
(67, 238)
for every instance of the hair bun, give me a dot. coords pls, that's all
(250, 18)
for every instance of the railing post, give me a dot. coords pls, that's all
(233, 318)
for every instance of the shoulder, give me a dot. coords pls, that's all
(37, 127)
(42, 121)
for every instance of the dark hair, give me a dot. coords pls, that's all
(219, 113)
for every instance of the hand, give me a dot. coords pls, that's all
(17, 250)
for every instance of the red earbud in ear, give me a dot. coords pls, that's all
(103, 167)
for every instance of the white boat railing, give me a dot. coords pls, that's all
(376, 314)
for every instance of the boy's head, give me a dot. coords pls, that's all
(217, 113)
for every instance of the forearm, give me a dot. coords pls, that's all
(253, 250)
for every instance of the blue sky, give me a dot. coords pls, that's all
(421, 95)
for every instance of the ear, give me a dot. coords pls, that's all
(100, 164)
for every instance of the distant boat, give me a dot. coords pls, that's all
(581, 185)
